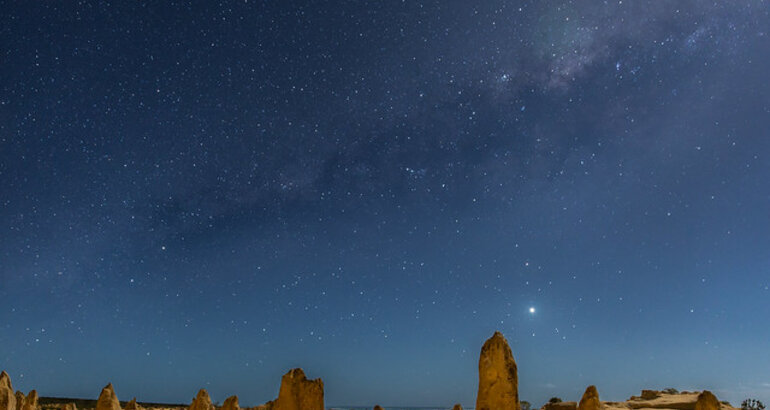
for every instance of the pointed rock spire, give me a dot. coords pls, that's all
(30, 403)
(108, 400)
(133, 405)
(20, 399)
(590, 400)
(231, 403)
(7, 398)
(498, 379)
(707, 401)
(5, 381)
(202, 401)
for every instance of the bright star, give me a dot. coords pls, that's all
(532, 310)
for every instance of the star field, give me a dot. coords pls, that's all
(206, 195)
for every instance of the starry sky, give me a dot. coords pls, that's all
(207, 194)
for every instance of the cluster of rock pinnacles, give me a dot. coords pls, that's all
(498, 390)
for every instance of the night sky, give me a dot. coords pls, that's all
(207, 194)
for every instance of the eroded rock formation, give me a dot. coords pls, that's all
(562, 405)
(457, 407)
(297, 393)
(30, 402)
(590, 400)
(133, 405)
(707, 401)
(20, 399)
(7, 397)
(202, 401)
(108, 400)
(498, 379)
(231, 403)
(670, 401)
(650, 394)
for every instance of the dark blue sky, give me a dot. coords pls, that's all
(206, 195)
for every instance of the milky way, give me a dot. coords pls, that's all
(206, 195)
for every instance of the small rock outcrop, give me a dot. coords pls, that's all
(707, 401)
(133, 405)
(457, 407)
(670, 400)
(108, 400)
(650, 394)
(30, 402)
(7, 397)
(231, 403)
(561, 405)
(297, 393)
(69, 406)
(20, 399)
(202, 401)
(378, 407)
(498, 379)
(590, 400)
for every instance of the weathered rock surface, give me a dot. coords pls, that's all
(707, 401)
(20, 399)
(202, 401)
(108, 400)
(457, 407)
(650, 394)
(69, 406)
(297, 393)
(30, 402)
(590, 400)
(7, 397)
(133, 405)
(231, 403)
(498, 379)
(668, 401)
(683, 402)
(562, 405)
(378, 407)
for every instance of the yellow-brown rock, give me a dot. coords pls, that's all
(69, 406)
(30, 402)
(5, 381)
(202, 401)
(498, 379)
(650, 394)
(590, 400)
(457, 407)
(133, 405)
(107, 399)
(378, 407)
(562, 405)
(299, 393)
(231, 403)
(20, 399)
(670, 401)
(707, 401)
(7, 398)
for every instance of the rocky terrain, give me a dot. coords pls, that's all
(498, 390)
